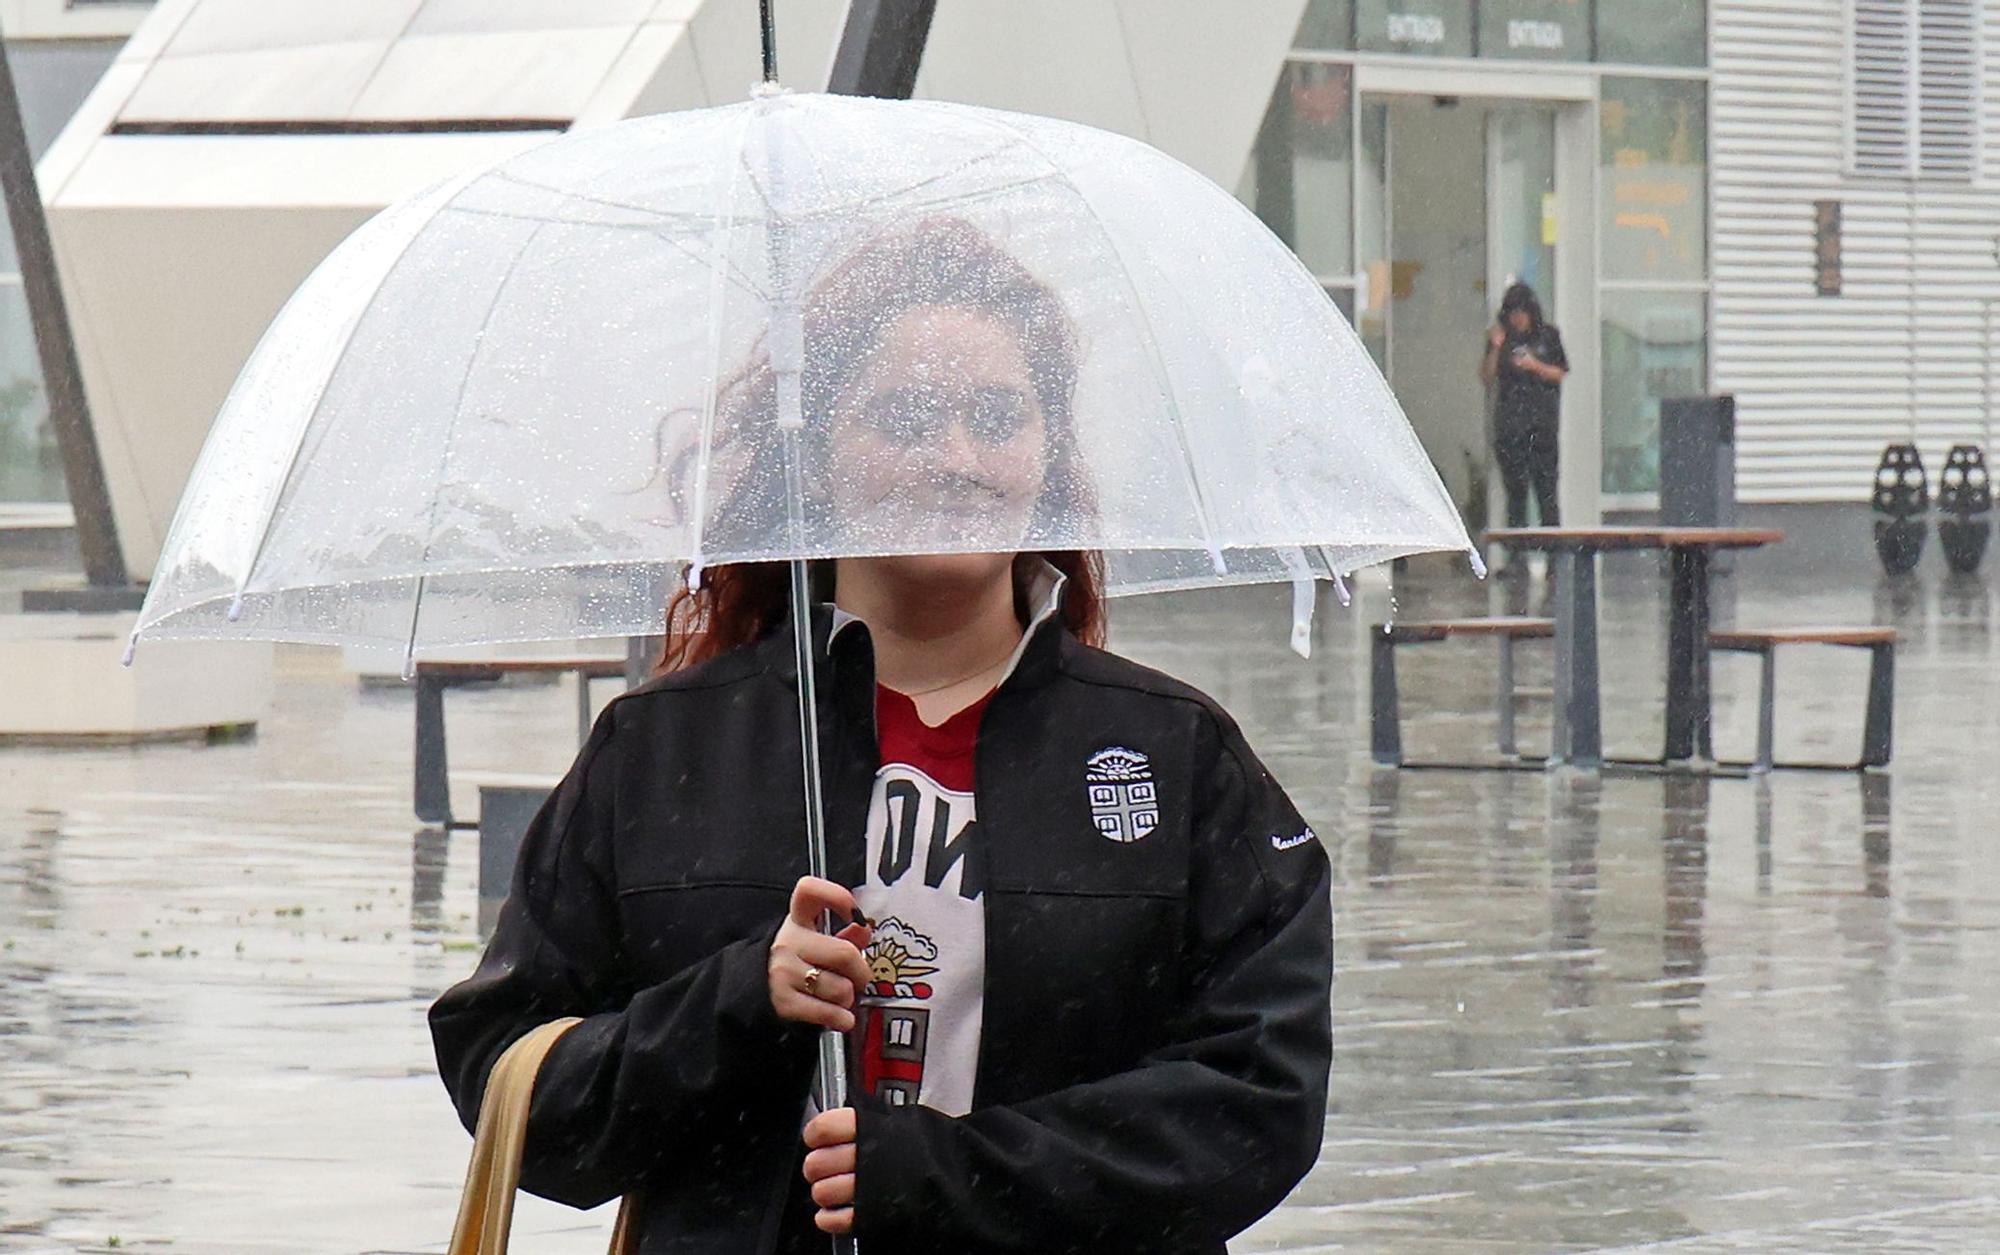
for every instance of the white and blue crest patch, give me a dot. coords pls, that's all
(1124, 802)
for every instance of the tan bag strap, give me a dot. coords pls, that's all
(486, 1209)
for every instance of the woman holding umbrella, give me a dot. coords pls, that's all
(1084, 974)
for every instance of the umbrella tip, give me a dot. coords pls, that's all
(1215, 560)
(131, 650)
(235, 608)
(1478, 563)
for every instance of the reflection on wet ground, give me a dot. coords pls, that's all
(1573, 1013)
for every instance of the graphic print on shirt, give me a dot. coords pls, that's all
(1124, 801)
(918, 1019)
(894, 1032)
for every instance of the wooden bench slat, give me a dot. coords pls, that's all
(508, 779)
(1761, 638)
(1617, 538)
(596, 668)
(1518, 627)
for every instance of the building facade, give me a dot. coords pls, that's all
(58, 50)
(1857, 234)
(1793, 201)
(1422, 155)
(1796, 202)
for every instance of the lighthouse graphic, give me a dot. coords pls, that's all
(892, 1032)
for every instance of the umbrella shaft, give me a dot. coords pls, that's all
(832, 1052)
(770, 27)
(808, 720)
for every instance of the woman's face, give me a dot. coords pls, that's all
(1518, 319)
(940, 440)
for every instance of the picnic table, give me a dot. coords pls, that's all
(1573, 552)
(434, 678)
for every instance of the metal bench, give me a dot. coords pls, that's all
(1386, 721)
(1880, 642)
(433, 784)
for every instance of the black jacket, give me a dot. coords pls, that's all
(1156, 1039)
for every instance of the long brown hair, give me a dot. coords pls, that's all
(939, 262)
(740, 602)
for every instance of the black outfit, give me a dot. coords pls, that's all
(1152, 1072)
(1526, 420)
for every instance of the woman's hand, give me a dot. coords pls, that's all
(813, 977)
(1541, 369)
(830, 1168)
(1495, 338)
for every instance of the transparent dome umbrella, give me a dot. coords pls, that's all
(520, 405)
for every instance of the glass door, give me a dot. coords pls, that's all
(1521, 201)
(1420, 221)
(1373, 288)
(1522, 221)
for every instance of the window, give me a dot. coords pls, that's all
(1327, 26)
(30, 465)
(51, 77)
(1655, 346)
(1948, 89)
(1913, 89)
(1655, 185)
(1653, 298)
(1535, 30)
(1652, 32)
(1426, 28)
(1303, 168)
(1636, 32)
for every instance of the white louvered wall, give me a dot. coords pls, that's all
(1822, 383)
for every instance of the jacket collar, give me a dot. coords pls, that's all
(841, 639)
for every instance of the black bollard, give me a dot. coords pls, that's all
(1965, 507)
(1902, 504)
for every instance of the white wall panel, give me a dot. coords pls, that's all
(58, 19)
(1822, 383)
(1189, 76)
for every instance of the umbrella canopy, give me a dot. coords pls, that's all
(804, 326)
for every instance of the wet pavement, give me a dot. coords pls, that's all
(1573, 1013)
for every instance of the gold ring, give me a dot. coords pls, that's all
(812, 978)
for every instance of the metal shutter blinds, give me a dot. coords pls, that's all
(1882, 103)
(1913, 89)
(1948, 89)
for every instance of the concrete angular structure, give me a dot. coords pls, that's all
(235, 142)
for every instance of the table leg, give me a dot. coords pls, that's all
(1579, 736)
(433, 783)
(641, 652)
(1688, 708)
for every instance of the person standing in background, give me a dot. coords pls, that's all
(1525, 365)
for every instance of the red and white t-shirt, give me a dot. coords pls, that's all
(917, 1036)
